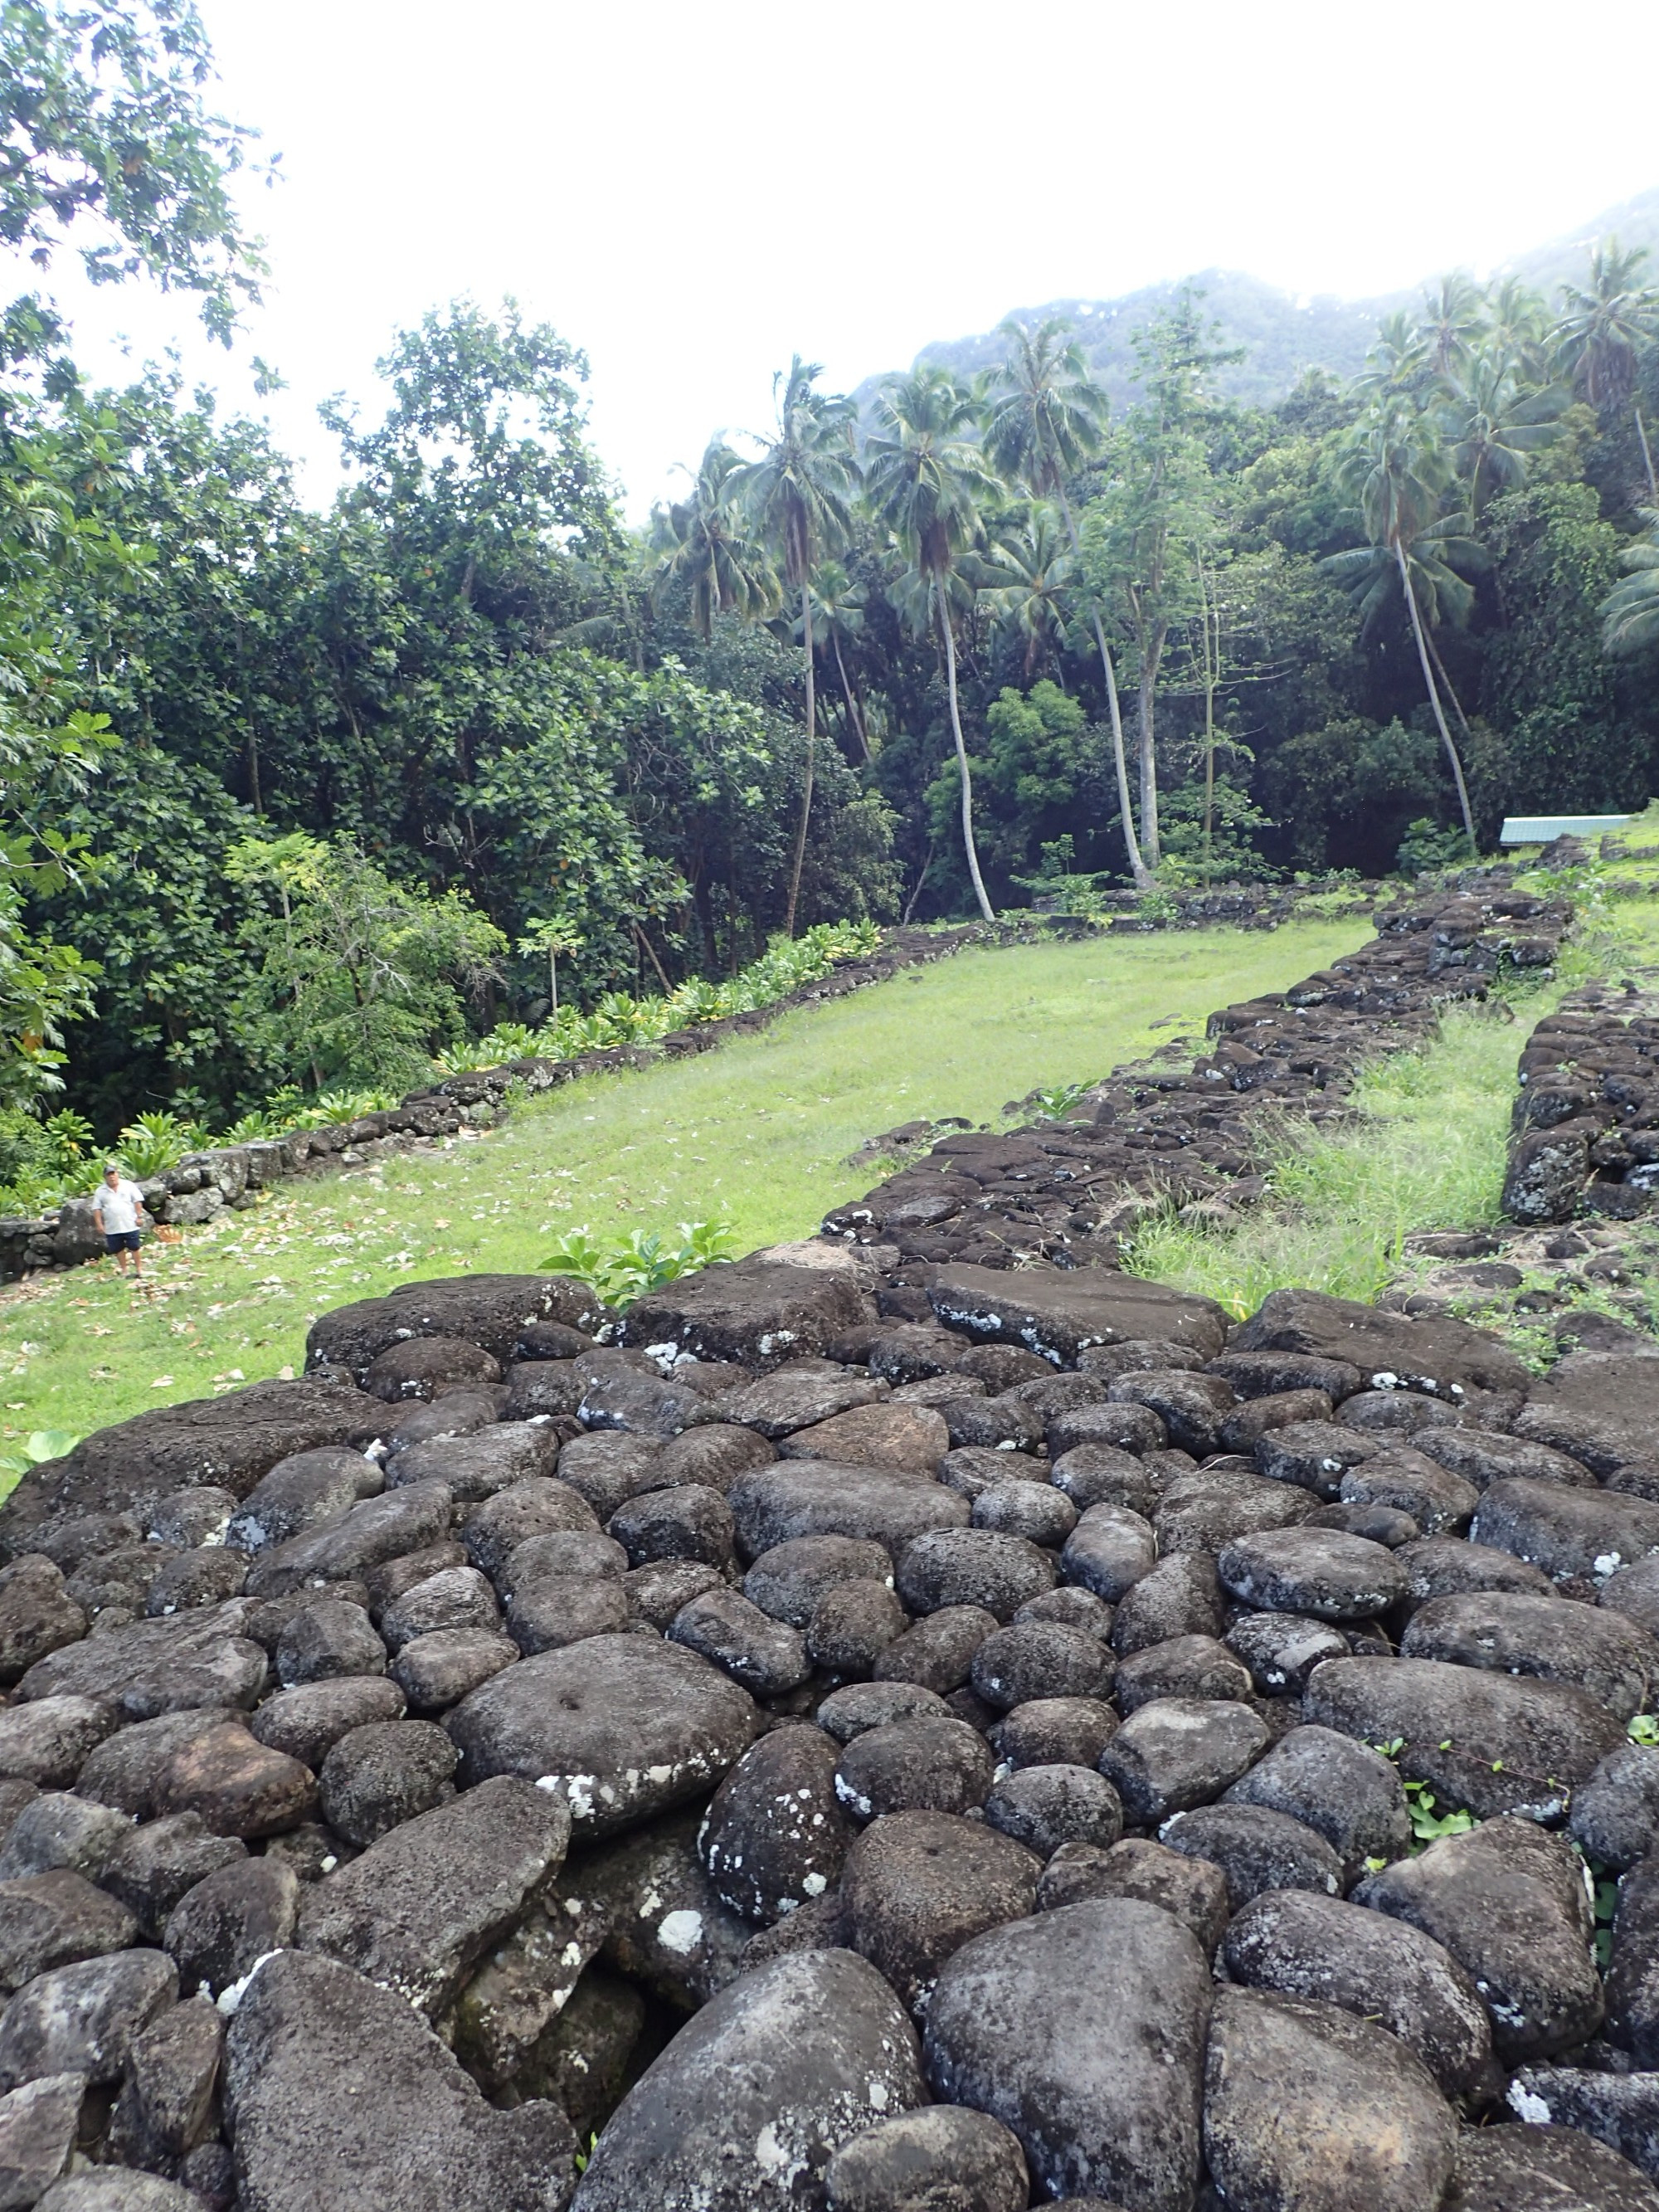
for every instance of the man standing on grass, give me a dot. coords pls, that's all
(115, 1208)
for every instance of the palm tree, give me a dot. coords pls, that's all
(799, 495)
(927, 481)
(1630, 612)
(837, 615)
(1518, 328)
(1454, 317)
(1605, 327)
(1028, 574)
(1496, 424)
(700, 542)
(1400, 363)
(1046, 422)
(1399, 475)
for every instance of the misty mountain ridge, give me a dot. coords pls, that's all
(1281, 334)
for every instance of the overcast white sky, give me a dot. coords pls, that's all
(691, 192)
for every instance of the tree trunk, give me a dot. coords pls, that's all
(1449, 688)
(1434, 694)
(553, 984)
(1138, 868)
(968, 844)
(1148, 762)
(812, 740)
(854, 716)
(911, 902)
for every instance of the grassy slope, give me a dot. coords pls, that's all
(1427, 1150)
(756, 1133)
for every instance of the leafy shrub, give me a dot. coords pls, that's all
(624, 1268)
(1425, 849)
(152, 1144)
(621, 1018)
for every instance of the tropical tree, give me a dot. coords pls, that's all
(1398, 474)
(1630, 610)
(838, 618)
(1605, 327)
(1156, 513)
(1028, 573)
(1518, 328)
(1454, 316)
(1046, 422)
(1401, 361)
(1496, 424)
(799, 497)
(928, 481)
(703, 543)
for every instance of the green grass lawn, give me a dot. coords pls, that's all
(757, 1134)
(1426, 1148)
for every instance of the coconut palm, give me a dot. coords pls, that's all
(927, 481)
(798, 498)
(1046, 420)
(837, 616)
(701, 542)
(1400, 364)
(1605, 328)
(1630, 612)
(1496, 425)
(1028, 574)
(1518, 328)
(1454, 316)
(1399, 475)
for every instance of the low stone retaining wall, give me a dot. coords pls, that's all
(204, 1183)
(1587, 1113)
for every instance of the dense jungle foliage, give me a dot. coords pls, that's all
(303, 799)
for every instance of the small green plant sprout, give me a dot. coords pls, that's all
(1428, 1825)
(152, 1145)
(623, 1268)
(1055, 1105)
(1645, 1729)
(36, 1449)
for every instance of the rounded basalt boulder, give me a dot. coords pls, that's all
(974, 1567)
(919, 1765)
(752, 2099)
(1035, 1659)
(1044, 1806)
(427, 1366)
(1103, 2087)
(1303, 1945)
(789, 1581)
(852, 1624)
(1321, 1572)
(386, 1772)
(1306, 2105)
(1034, 1510)
(1256, 1850)
(918, 1885)
(327, 1640)
(538, 1506)
(622, 1727)
(848, 1712)
(686, 1522)
(1055, 1732)
(774, 1835)
(944, 2158)
(1183, 1667)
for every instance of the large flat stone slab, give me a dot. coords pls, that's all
(1059, 1312)
(621, 1727)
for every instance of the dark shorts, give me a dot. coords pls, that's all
(124, 1240)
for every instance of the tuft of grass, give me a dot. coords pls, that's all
(1423, 1149)
(756, 1134)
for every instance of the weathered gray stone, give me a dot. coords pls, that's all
(746, 2107)
(1104, 2089)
